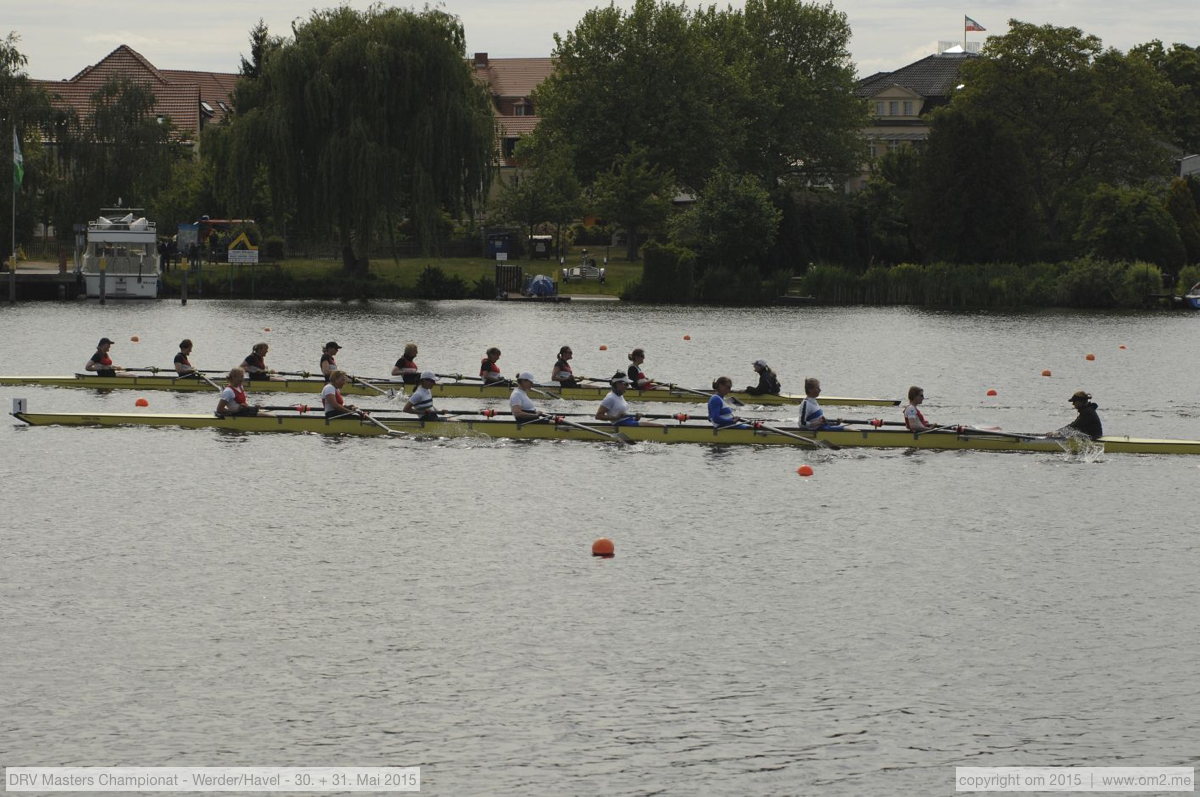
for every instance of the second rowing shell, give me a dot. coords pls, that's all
(446, 389)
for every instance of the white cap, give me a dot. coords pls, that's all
(525, 375)
(760, 363)
(430, 375)
(622, 379)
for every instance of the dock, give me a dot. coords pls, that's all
(39, 281)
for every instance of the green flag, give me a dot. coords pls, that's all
(18, 162)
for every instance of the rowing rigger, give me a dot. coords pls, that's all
(555, 428)
(445, 389)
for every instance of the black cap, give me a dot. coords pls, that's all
(332, 345)
(103, 341)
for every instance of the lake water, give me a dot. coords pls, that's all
(195, 598)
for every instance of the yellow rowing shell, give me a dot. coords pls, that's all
(679, 433)
(473, 390)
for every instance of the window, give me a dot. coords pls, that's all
(872, 150)
(507, 147)
(893, 145)
(879, 109)
(908, 108)
(893, 108)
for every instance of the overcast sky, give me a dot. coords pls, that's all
(61, 37)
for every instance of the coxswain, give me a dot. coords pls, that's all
(768, 382)
(562, 372)
(719, 412)
(615, 410)
(183, 365)
(489, 372)
(329, 359)
(420, 403)
(812, 417)
(100, 363)
(233, 397)
(406, 366)
(1086, 422)
(523, 408)
(914, 421)
(331, 396)
(255, 364)
(636, 376)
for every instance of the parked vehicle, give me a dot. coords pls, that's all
(587, 269)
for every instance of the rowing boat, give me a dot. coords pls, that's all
(550, 430)
(444, 389)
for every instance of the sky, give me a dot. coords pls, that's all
(61, 37)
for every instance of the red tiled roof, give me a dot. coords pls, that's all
(178, 93)
(516, 125)
(514, 77)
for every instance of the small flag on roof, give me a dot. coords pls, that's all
(970, 24)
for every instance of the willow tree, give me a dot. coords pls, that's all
(372, 117)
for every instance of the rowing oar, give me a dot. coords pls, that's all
(366, 416)
(202, 376)
(619, 437)
(876, 422)
(390, 394)
(731, 399)
(811, 441)
(459, 377)
(965, 430)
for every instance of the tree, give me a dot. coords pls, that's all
(732, 224)
(1180, 65)
(548, 193)
(370, 117)
(1182, 207)
(24, 108)
(1130, 224)
(636, 195)
(1079, 114)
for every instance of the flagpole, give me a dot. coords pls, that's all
(12, 270)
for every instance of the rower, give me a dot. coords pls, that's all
(406, 366)
(768, 382)
(100, 363)
(255, 364)
(489, 372)
(562, 372)
(420, 403)
(636, 376)
(812, 417)
(615, 409)
(913, 419)
(329, 359)
(183, 365)
(523, 408)
(1086, 422)
(331, 396)
(719, 412)
(233, 397)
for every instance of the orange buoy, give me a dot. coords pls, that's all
(1044, 373)
(266, 329)
(805, 470)
(603, 547)
(141, 403)
(687, 337)
(1090, 357)
(134, 339)
(1122, 347)
(992, 392)
(603, 348)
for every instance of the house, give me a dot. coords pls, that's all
(511, 82)
(190, 99)
(900, 103)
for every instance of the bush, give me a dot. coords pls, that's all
(1188, 277)
(434, 284)
(273, 248)
(1091, 283)
(597, 235)
(484, 288)
(668, 274)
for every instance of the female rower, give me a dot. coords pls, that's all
(913, 419)
(562, 372)
(719, 412)
(406, 366)
(255, 364)
(489, 372)
(523, 408)
(101, 363)
(233, 397)
(331, 396)
(183, 365)
(1087, 421)
(636, 376)
(615, 409)
(768, 382)
(329, 359)
(812, 417)
(420, 403)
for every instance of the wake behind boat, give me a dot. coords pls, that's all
(560, 428)
(443, 389)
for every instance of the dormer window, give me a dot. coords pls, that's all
(908, 108)
(523, 108)
(880, 109)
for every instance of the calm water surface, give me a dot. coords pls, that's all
(174, 597)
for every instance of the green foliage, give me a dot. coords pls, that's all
(595, 235)
(886, 206)
(548, 192)
(819, 227)
(635, 194)
(434, 284)
(732, 223)
(1181, 204)
(668, 275)
(1188, 276)
(273, 248)
(1130, 224)
(483, 288)
(366, 117)
(1180, 66)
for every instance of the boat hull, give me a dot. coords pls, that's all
(469, 390)
(680, 433)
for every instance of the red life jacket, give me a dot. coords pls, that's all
(487, 366)
(239, 395)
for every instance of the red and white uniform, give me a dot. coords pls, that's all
(331, 398)
(235, 399)
(914, 420)
(489, 371)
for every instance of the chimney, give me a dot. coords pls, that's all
(481, 60)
